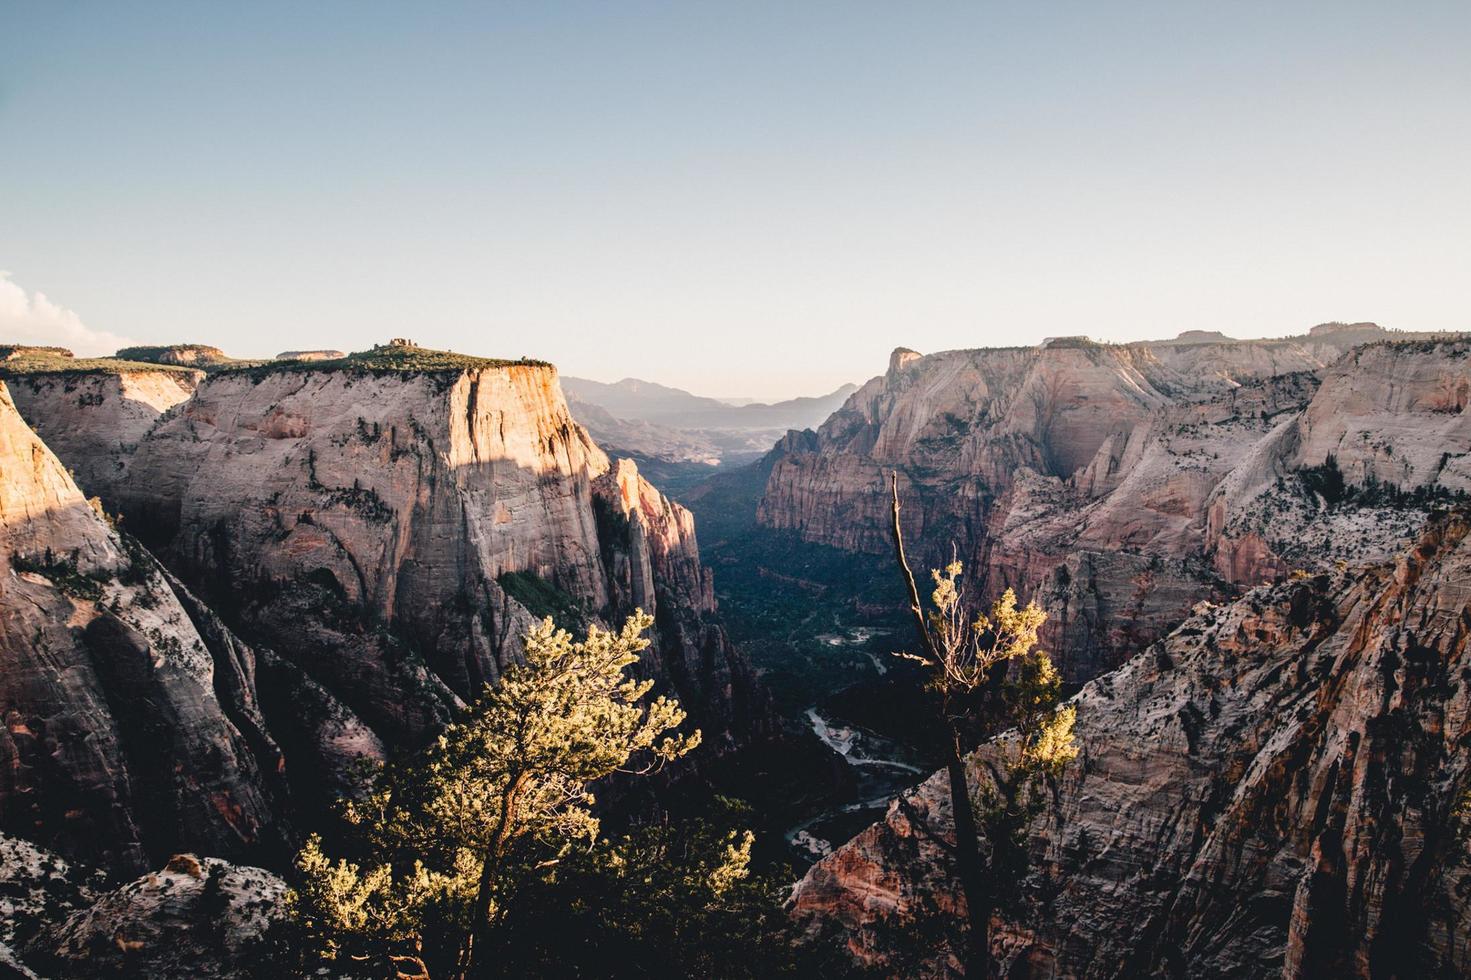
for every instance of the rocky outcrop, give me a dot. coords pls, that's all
(1122, 484)
(196, 917)
(961, 425)
(310, 355)
(652, 561)
(63, 408)
(1268, 791)
(119, 738)
(37, 888)
(1351, 476)
(384, 528)
(22, 352)
(186, 355)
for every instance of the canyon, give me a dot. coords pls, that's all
(1121, 484)
(1269, 790)
(1253, 556)
(348, 550)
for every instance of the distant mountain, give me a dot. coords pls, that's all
(645, 401)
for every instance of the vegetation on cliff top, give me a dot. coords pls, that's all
(20, 362)
(388, 359)
(202, 356)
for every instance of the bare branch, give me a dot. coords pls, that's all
(915, 608)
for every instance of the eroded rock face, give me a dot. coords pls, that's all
(653, 562)
(358, 525)
(117, 745)
(37, 888)
(1268, 791)
(63, 409)
(1120, 485)
(196, 917)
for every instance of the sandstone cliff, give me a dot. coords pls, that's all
(63, 404)
(1122, 484)
(383, 528)
(121, 738)
(196, 917)
(1268, 791)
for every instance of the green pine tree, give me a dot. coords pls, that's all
(503, 794)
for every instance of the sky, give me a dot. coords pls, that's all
(742, 199)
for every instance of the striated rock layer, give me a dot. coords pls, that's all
(124, 735)
(64, 407)
(1121, 484)
(1268, 791)
(388, 533)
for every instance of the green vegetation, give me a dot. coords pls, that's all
(385, 360)
(1326, 480)
(483, 855)
(968, 660)
(813, 618)
(666, 900)
(63, 573)
(543, 599)
(33, 361)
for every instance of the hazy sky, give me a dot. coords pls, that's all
(740, 199)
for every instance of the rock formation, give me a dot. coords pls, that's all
(37, 888)
(121, 738)
(1270, 790)
(310, 355)
(383, 528)
(1121, 484)
(195, 917)
(65, 406)
(186, 355)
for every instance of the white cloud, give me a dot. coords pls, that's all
(31, 318)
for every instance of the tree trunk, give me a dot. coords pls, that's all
(972, 871)
(967, 842)
(489, 869)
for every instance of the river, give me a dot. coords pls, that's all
(883, 768)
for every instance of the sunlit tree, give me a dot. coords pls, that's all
(448, 834)
(987, 667)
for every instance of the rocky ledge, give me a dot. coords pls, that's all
(1271, 790)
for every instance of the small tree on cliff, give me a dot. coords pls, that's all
(504, 790)
(968, 658)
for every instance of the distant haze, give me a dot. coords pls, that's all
(755, 199)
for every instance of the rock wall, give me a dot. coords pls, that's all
(1268, 791)
(652, 561)
(120, 736)
(385, 536)
(1120, 485)
(63, 408)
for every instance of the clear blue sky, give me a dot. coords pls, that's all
(740, 199)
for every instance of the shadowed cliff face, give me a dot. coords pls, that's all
(1120, 485)
(62, 409)
(125, 735)
(389, 535)
(1268, 791)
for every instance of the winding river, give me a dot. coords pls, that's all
(882, 771)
